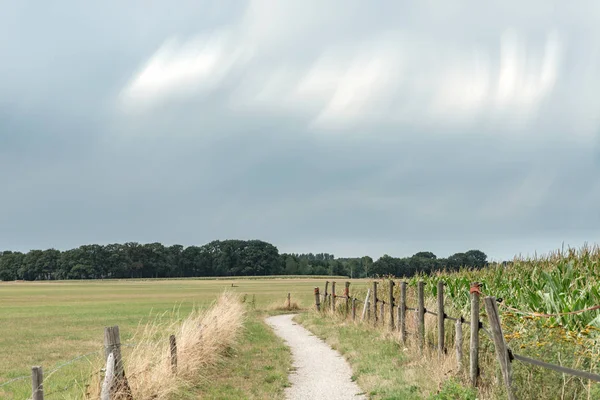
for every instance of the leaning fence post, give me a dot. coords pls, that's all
(499, 343)
(459, 342)
(421, 315)
(474, 353)
(109, 377)
(391, 305)
(375, 303)
(317, 299)
(441, 317)
(173, 348)
(333, 296)
(354, 309)
(37, 383)
(112, 344)
(402, 312)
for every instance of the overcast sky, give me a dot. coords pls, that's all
(346, 126)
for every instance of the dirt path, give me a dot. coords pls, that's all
(321, 372)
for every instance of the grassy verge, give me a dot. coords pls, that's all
(377, 361)
(383, 368)
(257, 368)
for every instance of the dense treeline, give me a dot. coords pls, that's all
(217, 258)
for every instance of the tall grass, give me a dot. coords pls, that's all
(202, 339)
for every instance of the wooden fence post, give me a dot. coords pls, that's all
(459, 342)
(402, 312)
(369, 310)
(37, 383)
(391, 305)
(109, 377)
(112, 344)
(366, 305)
(375, 303)
(354, 309)
(317, 299)
(289, 301)
(173, 347)
(333, 296)
(474, 348)
(325, 295)
(499, 344)
(421, 315)
(347, 294)
(441, 318)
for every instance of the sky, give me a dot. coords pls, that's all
(343, 126)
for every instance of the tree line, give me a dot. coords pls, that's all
(217, 258)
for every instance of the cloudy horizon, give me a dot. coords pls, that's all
(338, 126)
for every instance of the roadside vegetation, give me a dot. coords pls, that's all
(559, 283)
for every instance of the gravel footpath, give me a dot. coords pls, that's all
(321, 372)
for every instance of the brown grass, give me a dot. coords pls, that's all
(202, 339)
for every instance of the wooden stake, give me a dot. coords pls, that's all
(499, 344)
(421, 315)
(289, 301)
(375, 303)
(366, 305)
(333, 296)
(347, 294)
(37, 383)
(391, 322)
(474, 345)
(317, 299)
(173, 347)
(112, 344)
(459, 343)
(441, 318)
(354, 309)
(402, 312)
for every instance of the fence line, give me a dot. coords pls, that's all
(504, 354)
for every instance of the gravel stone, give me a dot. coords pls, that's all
(321, 372)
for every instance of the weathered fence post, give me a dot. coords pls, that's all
(402, 312)
(369, 310)
(441, 318)
(317, 299)
(173, 347)
(37, 383)
(391, 305)
(421, 315)
(474, 348)
(333, 296)
(109, 377)
(500, 345)
(347, 294)
(354, 309)
(366, 305)
(375, 303)
(459, 342)
(112, 344)
(325, 295)
(289, 301)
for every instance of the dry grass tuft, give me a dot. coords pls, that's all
(202, 339)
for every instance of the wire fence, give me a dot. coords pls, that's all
(397, 320)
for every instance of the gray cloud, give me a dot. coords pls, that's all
(355, 129)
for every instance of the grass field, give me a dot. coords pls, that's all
(50, 323)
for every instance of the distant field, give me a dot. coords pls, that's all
(48, 323)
